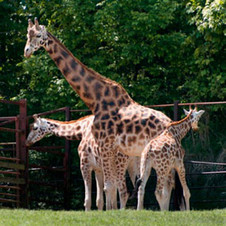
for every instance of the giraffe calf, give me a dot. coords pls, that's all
(165, 153)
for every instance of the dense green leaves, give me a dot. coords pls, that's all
(159, 51)
(209, 19)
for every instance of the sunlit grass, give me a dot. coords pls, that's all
(127, 217)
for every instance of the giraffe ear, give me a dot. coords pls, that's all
(186, 112)
(37, 24)
(200, 112)
(30, 23)
(35, 117)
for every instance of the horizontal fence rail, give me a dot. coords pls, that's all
(10, 102)
(166, 105)
(206, 163)
(49, 112)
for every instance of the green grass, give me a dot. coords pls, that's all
(117, 217)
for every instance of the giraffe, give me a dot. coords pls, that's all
(165, 153)
(90, 156)
(120, 123)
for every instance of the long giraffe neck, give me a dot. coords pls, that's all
(71, 130)
(94, 89)
(180, 128)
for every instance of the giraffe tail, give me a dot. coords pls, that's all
(135, 190)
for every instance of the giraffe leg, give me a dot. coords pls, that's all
(100, 186)
(169, 185)
(121, 179)
(114, 204)
(181, 173)
(134, 168)
(145, 170)
(87, 177)
(131, 170)
(109, 181)
(162, 192)
(123, 193)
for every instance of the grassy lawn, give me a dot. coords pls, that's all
(117, 217)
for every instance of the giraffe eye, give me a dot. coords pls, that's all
(35, 128)
(38, 36)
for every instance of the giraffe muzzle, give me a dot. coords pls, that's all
(28, 144)
(195, 129)
(27, 52)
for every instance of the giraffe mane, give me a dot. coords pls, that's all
(179, 122)
(107, 80)
(68, 122)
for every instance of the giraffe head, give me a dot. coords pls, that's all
(38, 130)
(36, 37)
(195, 116)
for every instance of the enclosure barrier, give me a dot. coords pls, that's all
(16, 189)
(13, 158)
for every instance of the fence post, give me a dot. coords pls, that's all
(23, 152)
(67, 166)
(175, 110)
(17, 126)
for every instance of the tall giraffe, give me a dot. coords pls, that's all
(165, 153)
(89, 153)
(119, 123)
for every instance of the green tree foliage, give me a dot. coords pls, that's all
(11, 48)
(208, 42)
(159, 51)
